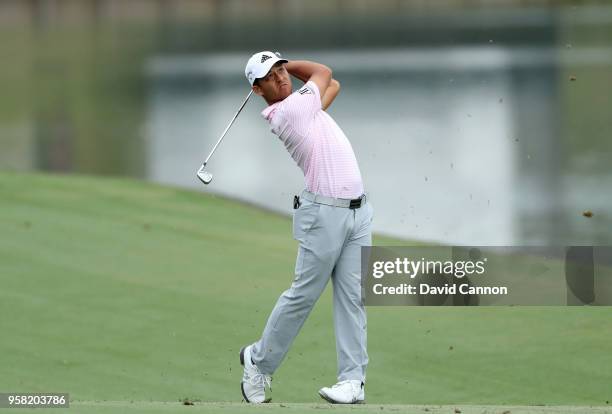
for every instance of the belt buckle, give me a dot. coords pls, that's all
(355, 203)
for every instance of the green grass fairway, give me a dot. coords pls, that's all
(132, 296)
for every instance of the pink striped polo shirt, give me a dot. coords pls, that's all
(316, 143)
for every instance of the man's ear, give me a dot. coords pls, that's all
(257, 89)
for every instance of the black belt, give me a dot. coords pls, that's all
(330, 201)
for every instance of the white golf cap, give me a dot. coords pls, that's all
(260, 64)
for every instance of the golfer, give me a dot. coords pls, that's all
(331, 222)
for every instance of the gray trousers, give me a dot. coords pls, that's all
(330, 240)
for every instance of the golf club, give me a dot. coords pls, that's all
(205, 176)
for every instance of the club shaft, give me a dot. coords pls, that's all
(228, 127)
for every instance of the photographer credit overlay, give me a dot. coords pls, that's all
(485, 276)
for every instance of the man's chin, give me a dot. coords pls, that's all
(284, 94)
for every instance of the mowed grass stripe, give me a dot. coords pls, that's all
(89, 407)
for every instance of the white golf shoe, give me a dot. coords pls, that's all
(344, 392)
(253, 383)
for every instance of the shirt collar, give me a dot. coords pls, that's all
(267, 113)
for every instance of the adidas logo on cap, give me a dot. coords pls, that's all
(264, 58)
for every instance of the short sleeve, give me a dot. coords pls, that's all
(303, 104)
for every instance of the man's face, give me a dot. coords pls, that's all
(275, 86)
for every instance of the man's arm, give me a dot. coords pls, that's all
(320, 74)
(330, 94)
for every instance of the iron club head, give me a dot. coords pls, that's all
(205, 176)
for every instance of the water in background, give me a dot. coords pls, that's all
(471, 125)
(447, 141)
